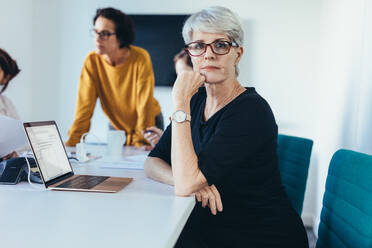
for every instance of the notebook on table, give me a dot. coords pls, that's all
(55, 168)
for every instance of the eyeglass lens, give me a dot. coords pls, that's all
(218, 47)
(104, 35)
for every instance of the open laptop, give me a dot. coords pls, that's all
(54, 166)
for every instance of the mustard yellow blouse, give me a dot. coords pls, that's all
(125, 92)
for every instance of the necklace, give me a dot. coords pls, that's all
(234, 93)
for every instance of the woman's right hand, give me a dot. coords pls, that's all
(186, 85)
(210, 195)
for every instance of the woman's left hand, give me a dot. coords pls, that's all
(10, 155)
(186, 85)
(210, 195)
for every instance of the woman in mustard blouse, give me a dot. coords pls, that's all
(121, 76)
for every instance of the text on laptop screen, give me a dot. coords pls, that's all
(49, 151)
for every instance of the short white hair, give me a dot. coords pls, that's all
(216, 19)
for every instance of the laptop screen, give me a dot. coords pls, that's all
(48, 149)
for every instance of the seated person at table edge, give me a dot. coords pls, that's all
(221, 145)
(8, 70)
(121, 76)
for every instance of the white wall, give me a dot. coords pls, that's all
(16, 39)
(307, 58)
(344, 92)
(364, 118)
(30, 33)
(46, 66)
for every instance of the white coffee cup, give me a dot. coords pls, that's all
(115, 142)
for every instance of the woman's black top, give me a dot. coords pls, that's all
(236, 150)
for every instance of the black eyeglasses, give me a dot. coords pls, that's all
(103, 35)
(219, 47)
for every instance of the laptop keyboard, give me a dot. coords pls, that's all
(83, 182)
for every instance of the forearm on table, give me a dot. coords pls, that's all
(146, 117)
(75, 133)
(159, 170)
(80, 126)
(188, 178)
(86, 102)
(145, 120)
(145, 104)
(81, 122)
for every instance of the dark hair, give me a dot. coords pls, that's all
(181, 55)
(9, 66)
(124, 26)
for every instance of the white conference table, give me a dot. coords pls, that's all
(144, 214)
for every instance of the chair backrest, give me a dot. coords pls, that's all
(346, 218)
(294, 158)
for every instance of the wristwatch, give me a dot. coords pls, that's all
(180, 116)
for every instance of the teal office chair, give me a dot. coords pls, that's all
(346, 218)
(294, 158)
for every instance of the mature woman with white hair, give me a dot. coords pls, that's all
(221, 145)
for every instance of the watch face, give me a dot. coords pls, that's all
(179, 116)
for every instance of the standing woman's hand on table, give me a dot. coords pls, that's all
(152, 135)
